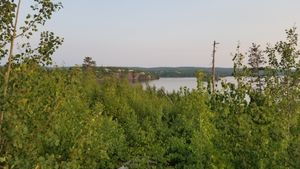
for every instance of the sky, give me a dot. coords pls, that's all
(152, 33)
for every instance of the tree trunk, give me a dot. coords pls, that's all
(10, 57)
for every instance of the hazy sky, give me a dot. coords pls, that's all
(167, 32)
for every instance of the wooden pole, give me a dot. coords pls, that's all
(213, 71)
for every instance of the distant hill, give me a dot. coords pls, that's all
(183, 71)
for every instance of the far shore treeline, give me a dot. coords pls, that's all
(140, 74)
(184, 71)
(165, 72)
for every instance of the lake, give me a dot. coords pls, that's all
(171, 84)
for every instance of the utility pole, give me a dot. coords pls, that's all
(213, 69)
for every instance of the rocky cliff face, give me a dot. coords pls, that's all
(125, 73)
(139, 77)
(132, 76)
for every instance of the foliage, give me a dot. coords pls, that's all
(88, 62)
(78, 118)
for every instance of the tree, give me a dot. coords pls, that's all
(88, 62)
(10, 32)
(262, 132)
(256, 62)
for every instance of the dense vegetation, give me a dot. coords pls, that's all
(74, 118)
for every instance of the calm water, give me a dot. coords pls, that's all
(170, 84)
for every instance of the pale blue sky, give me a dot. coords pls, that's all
(167, 32)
